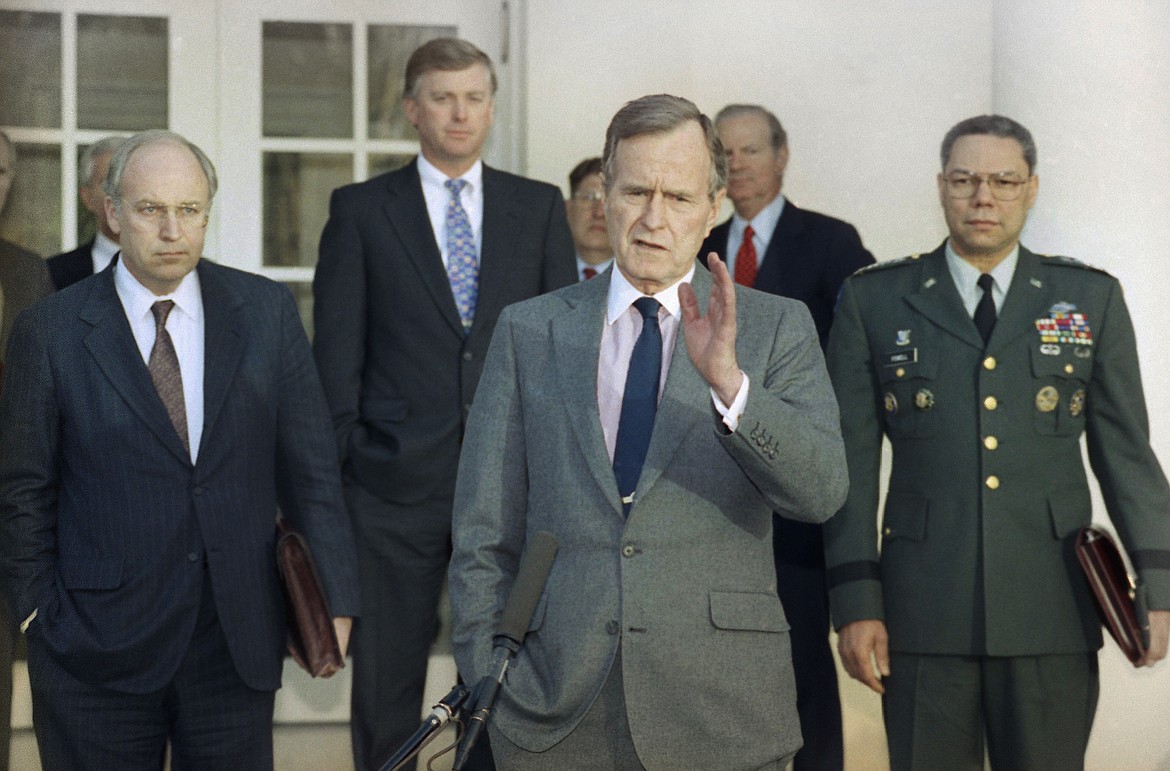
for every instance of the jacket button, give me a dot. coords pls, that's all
(989, 363)
(628, 550)
(990, 442)
(900, 372)
(992, 482)
(193, 556)
(468, 355)
(611, 627)
(1068, 368)
(990, 403)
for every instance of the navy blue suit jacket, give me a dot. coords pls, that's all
(70, 267)
(108, 527)
(810, 254)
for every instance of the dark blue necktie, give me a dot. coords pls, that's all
(639, 403)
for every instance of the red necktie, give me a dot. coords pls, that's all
(588, 273)
(745, 259)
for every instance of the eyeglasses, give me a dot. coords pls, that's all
(584, 196)
(187, 215)
(1005, 186)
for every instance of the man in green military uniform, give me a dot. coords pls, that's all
(984, 364)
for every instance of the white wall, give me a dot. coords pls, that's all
(866, 89)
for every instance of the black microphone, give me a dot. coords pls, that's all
(535, 564)
(434, 722)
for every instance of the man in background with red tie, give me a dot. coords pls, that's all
(774, 246)
(586, 211)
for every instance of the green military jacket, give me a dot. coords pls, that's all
(988, 487)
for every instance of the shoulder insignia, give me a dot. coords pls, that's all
(1069, 262)
(885, 264)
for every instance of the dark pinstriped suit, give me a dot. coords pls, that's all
(112, 530)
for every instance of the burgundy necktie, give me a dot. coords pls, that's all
(164, 370)
(588, 273)
(745, 259)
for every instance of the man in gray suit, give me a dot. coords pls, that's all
(651, 420)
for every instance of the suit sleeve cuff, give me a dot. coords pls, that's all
(732, 414)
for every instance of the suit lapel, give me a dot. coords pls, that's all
(223, 345)
(775, 266)
(497, 253)
(1026, 300)
(576, 339)
(406, 209)
(939, 301)
(111, 343)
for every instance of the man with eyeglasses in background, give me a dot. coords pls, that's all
(586, 211)
(984, 364)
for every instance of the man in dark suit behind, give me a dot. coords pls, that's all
(414, 268)
(154, 418)
(94, 255)
(23, 281)
(804, 255)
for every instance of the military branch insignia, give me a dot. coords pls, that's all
(1076, 403)
(891, 403)
(1064, 325)
(1047, 398)
(924, 399)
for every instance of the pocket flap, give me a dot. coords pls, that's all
(754, 611)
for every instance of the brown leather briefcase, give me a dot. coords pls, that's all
(1114, 590)
(312, 639)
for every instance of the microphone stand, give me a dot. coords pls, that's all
(442, 713)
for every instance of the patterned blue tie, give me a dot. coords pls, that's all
(639, 403)
(462, 261)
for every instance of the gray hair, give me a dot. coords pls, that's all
(89, 156)
(661, 114)
(126, 149)
(449, 54)
(776, 132)
(993, 125)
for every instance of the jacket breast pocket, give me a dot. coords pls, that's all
(908, 388)
(90, 573)
(1060, 382)
(748, 611)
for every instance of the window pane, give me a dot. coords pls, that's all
(308, 80)
(30, 69)
(390, 46)
(296, 203)
(303, 293)
(32, 217)
(121, 72)
(380, 164)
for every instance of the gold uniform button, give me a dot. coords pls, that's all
(992, 482)
(888, 530)
(989, 363)
(900, 372)
(1068, 368)
(990, 403)
(991, 442)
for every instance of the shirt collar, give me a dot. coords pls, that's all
(103, 250)
(431, 175)
(966, 275)
(764, 223)
(137, 299)
(622, 295)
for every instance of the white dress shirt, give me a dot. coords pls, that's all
(185, 326)
(102, 253)
(437, 196)
(763, 226)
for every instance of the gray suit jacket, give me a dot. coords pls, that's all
(686, 584)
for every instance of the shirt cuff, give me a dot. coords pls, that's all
(24, 624)
(732, 414)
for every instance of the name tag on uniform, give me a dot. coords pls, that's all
(898, 358)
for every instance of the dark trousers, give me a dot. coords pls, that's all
(1033, 713)
(403, 554)
(209, 717)
(800, 580)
